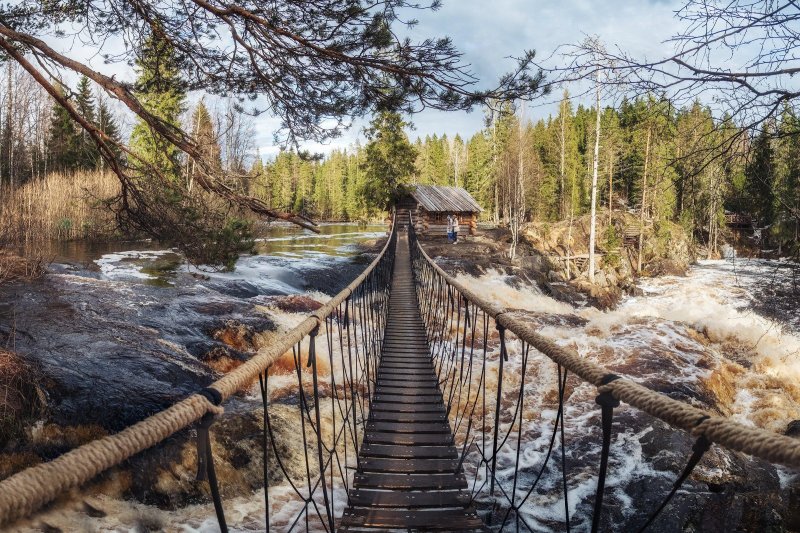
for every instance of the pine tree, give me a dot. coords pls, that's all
(388, 161)
(760, 179)
(84, 103)
(161, 91)
(788, 176)
(568, 158)
(202, 129)
(108, 125)
(63, 140)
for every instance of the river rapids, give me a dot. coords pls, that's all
(726, 338)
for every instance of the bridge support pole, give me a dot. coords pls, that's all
(607, 404)
(503, 358)
(312, 361)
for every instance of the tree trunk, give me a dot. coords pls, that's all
(642, 209)
(610, 187)
(10, 127)
(593, 221)
(562, 166)
(569, 243)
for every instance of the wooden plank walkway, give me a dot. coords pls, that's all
(408, 476)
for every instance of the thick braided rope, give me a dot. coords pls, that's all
(761, 443)
(25, 492)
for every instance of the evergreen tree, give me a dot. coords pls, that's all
(63, 140)
(107, 124)
(202, 129)
(760, 179)
(161, 91)
(388, 160)
(568, 157)
(85, 105)
(787, 168)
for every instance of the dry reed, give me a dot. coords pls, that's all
(59, 207)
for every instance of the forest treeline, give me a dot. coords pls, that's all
(679, 163)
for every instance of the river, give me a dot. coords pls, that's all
(120, 333)
(119, 330)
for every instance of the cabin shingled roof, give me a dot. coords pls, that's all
(445, 199)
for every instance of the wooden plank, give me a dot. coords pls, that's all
(404, 380)
(407, 408)
(408, 439)
(407, 482)
(384, 383)
(416, 391)
(395, 398)
(408, 499)
(381, 416)
(416, 428)
(408, 452)
(396, 365)
(438, 520)
(407, 466)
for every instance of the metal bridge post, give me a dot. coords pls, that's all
(312, 360)
(503, 357)
(607, 404)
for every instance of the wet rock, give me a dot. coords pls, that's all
(564, 292)
(51, 440)
(13, 462)
(296, 303)
(236, 335)
(223, 360)
(793, 429)
(241, 335)
(166, 476)
(667, 267)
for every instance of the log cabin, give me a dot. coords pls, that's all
(429, 206)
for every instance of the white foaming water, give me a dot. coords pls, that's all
(693, 333)
(495, 286)
(128, 265)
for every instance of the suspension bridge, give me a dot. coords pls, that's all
(409, 398)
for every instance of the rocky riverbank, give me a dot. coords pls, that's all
(554, 256)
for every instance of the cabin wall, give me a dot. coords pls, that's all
(436, 223)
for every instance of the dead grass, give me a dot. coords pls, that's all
(13, 267)
(59, 207)
(20, 396)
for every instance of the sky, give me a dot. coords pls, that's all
(490, 33)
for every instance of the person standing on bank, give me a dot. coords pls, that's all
(449, 228)
(455, 229)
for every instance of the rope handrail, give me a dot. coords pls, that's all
(773, 447)
(25, 492)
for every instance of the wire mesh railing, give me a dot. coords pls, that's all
(331, 381)
(520, 407)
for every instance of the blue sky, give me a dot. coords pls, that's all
(489, 32)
